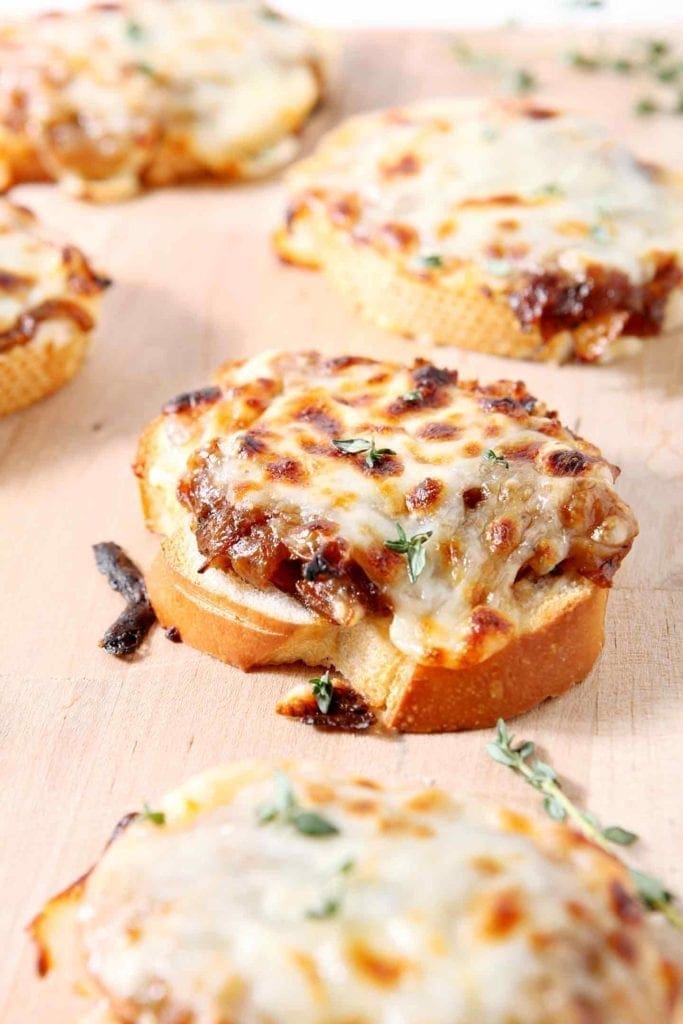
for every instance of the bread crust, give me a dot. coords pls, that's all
(462, 309)
(149, 139)
(224, 617)
(34, 371)
(384, 294)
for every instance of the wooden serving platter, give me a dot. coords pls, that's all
(85, 738)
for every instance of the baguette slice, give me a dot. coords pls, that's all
(498, 227)
(220, 614)
(119, 97)
(49, 302)
(224, 903)
(508, 608)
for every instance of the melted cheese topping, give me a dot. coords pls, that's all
(40, 280)
(157, 89)
(500, 526)
(503, 186)
(419, 908)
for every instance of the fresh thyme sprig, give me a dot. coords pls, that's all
(358, 445)
(323, 691)
(286, 809)
(156, 817)
(134, 30)
(414, 396)
(431, 261)
(653, 58)
(543, 778)
(413, 548)
(329, 907)
(494, 457)
(518, 80)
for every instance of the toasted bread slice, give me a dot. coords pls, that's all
(497, 227)
(271, 894)
(222, 615)
(145, 93)
(281, 548)
(50, 300)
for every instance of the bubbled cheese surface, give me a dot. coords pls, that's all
(418, 909)
(512, 188)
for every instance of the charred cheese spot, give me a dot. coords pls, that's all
(504, 199)
(365, 783)
(621, 943)
(440, 431)
(319, 793)
(502, 535)
(307, 966)
(379, 968)
(364, 807)
(319, 417)
(398, 236)
(501, 914)
(10, 282)
(623, 904)
(540, 113)
(407, 164)
(486, 865)
(486, 620)
(425, 495)
(473, 497)
(513, 821)
(400, 826)
(344, 212)
(568, 463)
(251, 444)
(429, 801)
(286, 469)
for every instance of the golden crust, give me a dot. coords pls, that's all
(245, 627)
(155, 111)
(51, 298)
(452, 305)
(377, 286)
(34, 371)
(560, 616)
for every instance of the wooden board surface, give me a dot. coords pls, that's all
(84, 738)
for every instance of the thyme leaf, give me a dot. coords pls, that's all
(156, 817)
(433, 260)
(358, 445)
(543, 778)
(323, 691)
(493, 457)
(326, 908)
(412, 548)
(286, 809)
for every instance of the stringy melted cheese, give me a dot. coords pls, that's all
(266, 445)
(218, 86)
(498, 185)
(427, 909)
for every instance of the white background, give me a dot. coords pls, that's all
(441, 12)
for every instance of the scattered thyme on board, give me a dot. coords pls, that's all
(542, 777)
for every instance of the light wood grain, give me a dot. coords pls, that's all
(84, 738)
